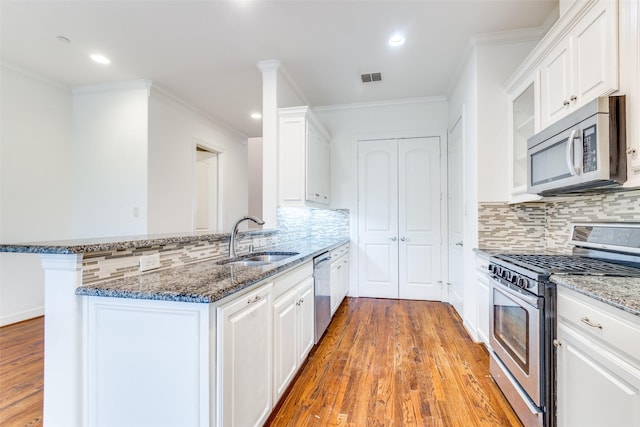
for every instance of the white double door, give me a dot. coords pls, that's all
(399, 218)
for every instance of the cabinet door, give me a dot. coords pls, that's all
(524, 121)
(292, 149)
(244, 359)
(595, 388)
(306, 319)
(556, 81)
(483, 308)
(323, 171)
(595, 46)
(345, 275)
(335, 286)
(313, 147)
(285, 347)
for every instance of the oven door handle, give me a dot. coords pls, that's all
(531, 300)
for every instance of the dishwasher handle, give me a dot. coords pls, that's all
(318, 260)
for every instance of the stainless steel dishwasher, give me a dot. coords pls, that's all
(322, 284)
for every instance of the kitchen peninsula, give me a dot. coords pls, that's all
(124, 347)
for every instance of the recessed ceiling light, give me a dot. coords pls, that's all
(256, 116)
(100, 59)
(396, 40)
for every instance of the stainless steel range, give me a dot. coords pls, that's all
(523, 312)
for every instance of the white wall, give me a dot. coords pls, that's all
(254, 147)
(35, 178)
(479, 93)
(110, 134)
(495, 64)
(463, 101)
(347, 125)
(174, 131)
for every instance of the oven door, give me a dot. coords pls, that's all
(515, 327)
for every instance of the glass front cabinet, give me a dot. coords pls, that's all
(524, 121)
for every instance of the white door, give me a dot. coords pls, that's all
(399, 218)
(206, 190)
(419, 218)
(378, 218)
(455, 215)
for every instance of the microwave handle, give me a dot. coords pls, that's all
(569, 154)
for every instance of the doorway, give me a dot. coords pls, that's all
(207, 194)
(399, 218)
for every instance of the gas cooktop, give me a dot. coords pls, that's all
(569, 264)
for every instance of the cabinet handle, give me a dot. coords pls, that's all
(402, 239)
(459, 244)
(393, 239)
(573, 98)
(317, 195)
(586, 321)
(565, 103)
(557, 343)
(254, 299)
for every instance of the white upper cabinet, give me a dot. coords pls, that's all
(583, 65)
(304, 159)
(576, 62)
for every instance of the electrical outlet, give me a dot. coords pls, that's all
(149, 262)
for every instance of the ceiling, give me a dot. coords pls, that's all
(205, 52)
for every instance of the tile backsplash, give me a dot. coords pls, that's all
(546, 225)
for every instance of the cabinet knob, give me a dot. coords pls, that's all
(565, 103)
(557, 343)
(573, 98)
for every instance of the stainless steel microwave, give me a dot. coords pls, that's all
(583, 151)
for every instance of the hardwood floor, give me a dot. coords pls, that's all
(395, 363)
(381, 363)
(21, 373)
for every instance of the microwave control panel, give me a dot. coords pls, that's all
(589, 149)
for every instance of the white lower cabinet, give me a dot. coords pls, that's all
(244, 365)
(598, 372)
(483, 301)
(293, 333)
(339, 276)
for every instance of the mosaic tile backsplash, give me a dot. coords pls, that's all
(546, 225)
(294, 224)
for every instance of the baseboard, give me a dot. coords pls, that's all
(471, 331)
(22, 315)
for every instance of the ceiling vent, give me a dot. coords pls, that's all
(372, 77)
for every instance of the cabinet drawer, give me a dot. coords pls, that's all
(601, 321)
(291, 278)
(339, 251)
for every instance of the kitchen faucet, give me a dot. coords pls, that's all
(234, 232)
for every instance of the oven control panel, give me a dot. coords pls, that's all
(510, 276)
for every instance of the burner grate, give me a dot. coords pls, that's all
(568, 264)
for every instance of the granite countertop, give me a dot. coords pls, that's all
(100, 244)
(619, 292)
(206, 281)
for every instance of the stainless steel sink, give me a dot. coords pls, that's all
(247, 263)
(269, 257)
(258, 259)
